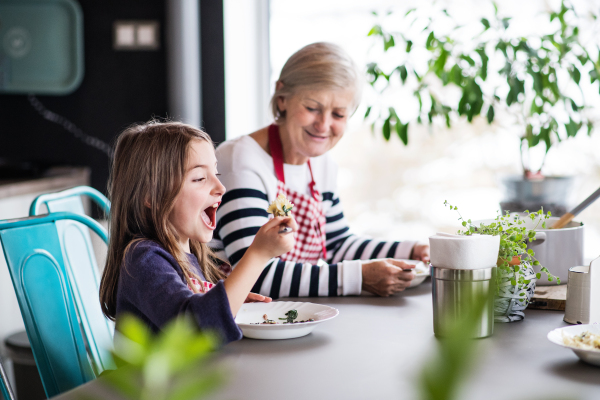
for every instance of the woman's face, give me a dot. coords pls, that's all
(314, 122)
(194, 212)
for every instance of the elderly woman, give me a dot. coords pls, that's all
(318, 90)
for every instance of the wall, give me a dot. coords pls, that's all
(118, 88)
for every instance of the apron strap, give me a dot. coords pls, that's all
(276, 151)
(311, 185)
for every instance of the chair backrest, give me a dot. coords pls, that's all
(37, 268)
(5, 387)
(82, 269)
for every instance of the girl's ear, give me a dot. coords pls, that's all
(147, 202)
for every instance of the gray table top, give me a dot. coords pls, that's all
(376, 348)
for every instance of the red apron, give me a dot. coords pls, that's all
(307, 211)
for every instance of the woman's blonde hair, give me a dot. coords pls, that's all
(317, 66)
(147, 175)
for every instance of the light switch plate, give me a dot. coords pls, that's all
(136, 35)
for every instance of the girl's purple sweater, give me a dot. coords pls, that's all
(152, 287)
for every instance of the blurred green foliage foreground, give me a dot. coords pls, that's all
(443, 374)
(172, 365)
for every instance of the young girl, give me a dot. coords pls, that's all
(165, 192)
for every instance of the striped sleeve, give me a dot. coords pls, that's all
(342, 245)
(239, 217)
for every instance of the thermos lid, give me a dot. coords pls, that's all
(468, 275)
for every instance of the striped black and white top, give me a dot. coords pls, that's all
(248, 174)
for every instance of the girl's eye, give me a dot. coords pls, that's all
(338, 115)
(311, 109)
(198, 180)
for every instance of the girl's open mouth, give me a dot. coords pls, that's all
(209, 216)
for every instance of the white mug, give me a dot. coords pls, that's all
(577, 309)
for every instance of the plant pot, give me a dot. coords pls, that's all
(511, 301)
(552, 193)
(516, 260)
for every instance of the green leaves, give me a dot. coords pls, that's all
(388, 42)
(575, 74)
(513, 239)
(517, 87)
(376, 30)
(490, 114)
(393, 122)
(471, 102)
(430, 42)
(291, 315)
(572, 128)
(403, 73)
(387, 131)
(172, 365)
(484, 62)
(402, 130)
(528, 75)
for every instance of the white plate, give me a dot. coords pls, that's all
(588, 356)
(251, 313)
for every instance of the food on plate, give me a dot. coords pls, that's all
(280, 207)
(585, 340)
(291, 315)
(420, 268)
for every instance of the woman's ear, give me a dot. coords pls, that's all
(280, 99)
(281, 104)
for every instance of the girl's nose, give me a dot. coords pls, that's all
(219, 189)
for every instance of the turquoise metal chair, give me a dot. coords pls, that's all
(5, 387)
(36, 264)
(82, 269)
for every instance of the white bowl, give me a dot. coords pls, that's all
(421, 272)
(251, 313)
(588, 356)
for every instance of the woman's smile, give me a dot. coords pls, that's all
(319, 138)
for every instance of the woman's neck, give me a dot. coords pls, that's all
(290, 155)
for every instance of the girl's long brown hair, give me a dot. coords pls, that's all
(147, 175)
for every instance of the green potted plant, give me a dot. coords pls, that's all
(515, 278)
(536, 80)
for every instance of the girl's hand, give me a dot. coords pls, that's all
(269, 242)
(257, 298)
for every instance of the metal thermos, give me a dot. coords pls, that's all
(455, 291)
